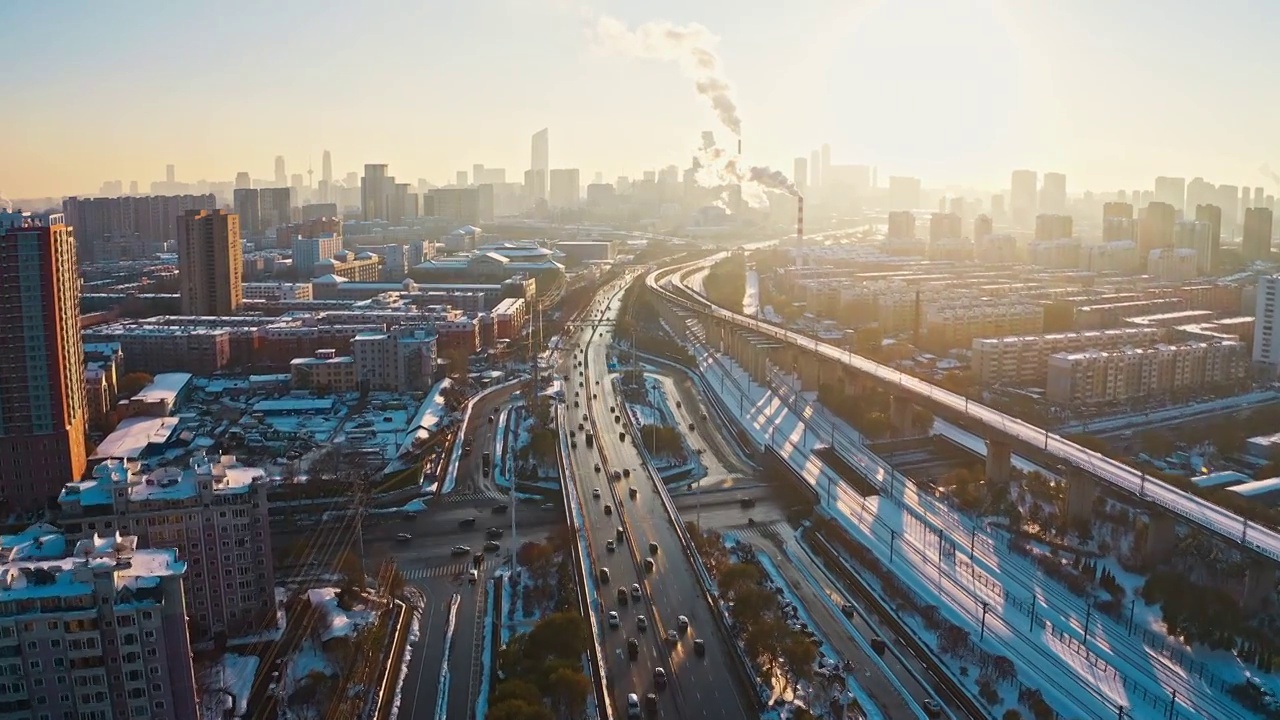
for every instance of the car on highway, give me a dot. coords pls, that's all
(635, 590)
(651, 702)
(584, 417)
(613, 619)
(622, 436)
(404, 537)
(848, 609)
(472, 576)
(611, 546)
(682, 624)
(492, 546)
(653, 548)
(626, 472)
(932, 708)
(620, 533)
(642, 623)
(633, 706)
(622, 596)
(595, 492)
(633, 492)
(467, 522)
(633, 648)
(604, 575)
(692, 427)
(461, 550)
(493, 533)
(490, 419)
(580, 426)
(548, 506)
(608, 509)
(597, 467)
(648, 565)
(659, 678)
(673, 637)
(575, 404)
(500, 508)
(700, 647)
(617, 475)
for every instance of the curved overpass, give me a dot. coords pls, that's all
(668, 284)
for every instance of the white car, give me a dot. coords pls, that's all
(613, 619)
(633, 706)
(595, 492)
(682, 623)
(673, 637)
(642, 623)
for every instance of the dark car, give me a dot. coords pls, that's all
(604, 575)
(633, 648)
(659, 678)
(700, 647)
(467, 522)
(622, 596)
(932, 708)
(500, 508)
(492, 546)
(493, 533)
(651, 702)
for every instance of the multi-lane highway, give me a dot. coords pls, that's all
(1190, 507)
(698, 687)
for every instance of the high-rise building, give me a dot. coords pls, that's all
(904, 193)
(902, 225)
(1173, 191)
(282, 180)
(460, 205)
(42, 391)
(1256, 244)
(133, 187)
(1259, 197)
(1156, 228)
(826, 163)
(461, 179)
(1022, 198)
(151, 219)
(982, 227)
(243, 182)
(815, 170)
(326, 167)
(170, 174)
(565, 188)
(210, 262)
(1227, 197)
(800, 172)
(540, 164)
(307, 251)
(1212, 214)
(1266, 331)
(375, 189)
(1196, 235)
(1117, 221)
(95, 628)
(944, 226)
(248, 206)
(1053, 227)
(1053, 194)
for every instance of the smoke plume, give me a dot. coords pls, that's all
(693, 46)
(1270, 174)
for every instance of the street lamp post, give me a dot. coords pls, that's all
(982, 631)
(1088, 616)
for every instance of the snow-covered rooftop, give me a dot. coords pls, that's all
(428, 418)
(226, 476)
(164, 387)
(37, 564)
(1220, 479)
(132, 436)
(294, 405)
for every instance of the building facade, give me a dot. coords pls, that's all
(1095, 376)
(210, 262)
(1022, 360)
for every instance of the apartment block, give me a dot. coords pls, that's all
(403, 359)
(212, 513)
(509, 318)
(1059, 254)
(1095, 376)
(1022, 360)
(325, 372)
(1109, 315)
(1266, 339)
(948, 328)
(277, 291)
(995, 248)
(1116, 256)
(93, 628)
(1173, 264)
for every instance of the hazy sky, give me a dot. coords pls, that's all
(1110, 92)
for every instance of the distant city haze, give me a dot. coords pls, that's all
(955, 92)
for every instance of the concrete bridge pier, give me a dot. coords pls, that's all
(999, 462)
(810, 372)
(1259, 584)
(1162, 535)
(900, 421)
(1082, 488)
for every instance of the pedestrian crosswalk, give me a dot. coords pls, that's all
(472, 497)
(454, 569)
(754, 533)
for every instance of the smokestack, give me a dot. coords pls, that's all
(799, 221)
(739, 147)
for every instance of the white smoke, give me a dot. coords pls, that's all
(718, 169)
(693, 46)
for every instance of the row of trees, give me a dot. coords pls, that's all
(769, 641)
(542, 671)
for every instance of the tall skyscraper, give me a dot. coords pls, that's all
(1256, 244)
(826, 163)
(902, 225)
(982, 227)
(326, 167)
(133, 187)
(815, 170)
(42, 396)
(1053, 227)
(1212, 214)
(248, 206)
(1053, 194)
(243, 182)
(1196, 235)
(944, 226)
(1172, 190)
(170, 174)
(375, 187)
(210, 262)
(565, 188)
(540, 164)
(282, 180)
(1259, 197)
(1156, 228)
(801, 174)
(1022, 198)
(462, 179)
(1117, 221)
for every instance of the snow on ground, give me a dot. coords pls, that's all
(308, 659)
(338, 622)
(232, 677)
(1068, 678)
(415, 605)
(487, 666)
(427, 420)
(505, 459)
(282, 594)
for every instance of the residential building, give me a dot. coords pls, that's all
(1172, 191)
(402, 359)
(1117, 222)
(461, 205)
(944, 226)
(99, 223)
(995, 249)
(1108, 315)
(277, 291)
(1060, 254)
(1196, 235)
(461, 335)
(1256, 244)
(1053, 227)
(361, 267)
(210, 262)
(1211, 214)
(1022, 360)
(955, 249)
(950, 327)
(212, 513)
(325, 372)
(309, 251)
(1156, 228)
(43, 415)
(539, 166)
(982, 228)
(902, 225)
(319, 211)
(1266, 338)
(1173, 264)
(1096, 376)
(509, 318)
(376, 189)
(1115, 256)
(1022, 197)
(94, 628)
(1053, 195)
